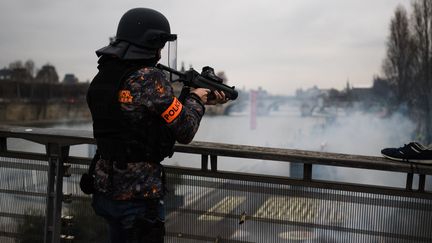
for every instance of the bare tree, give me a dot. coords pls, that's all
(422, 36)
(29, 65)
(15, 65)
(47, 74)
(398, 64)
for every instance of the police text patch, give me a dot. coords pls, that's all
(173, 111)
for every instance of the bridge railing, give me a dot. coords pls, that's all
(40, 199)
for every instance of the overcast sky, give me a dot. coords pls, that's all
(280, 45)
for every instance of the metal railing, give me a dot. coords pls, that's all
(40, 196)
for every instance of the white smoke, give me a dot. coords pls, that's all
(350, 133)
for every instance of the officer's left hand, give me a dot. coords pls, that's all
(220, 98)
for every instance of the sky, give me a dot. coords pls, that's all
(279, 45)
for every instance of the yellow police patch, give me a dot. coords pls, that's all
(173, 111)
(125, 97)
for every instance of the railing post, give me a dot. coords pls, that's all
(409, 181)
(3, 144)
(213, 163)
(204, 162)
(307, 172)
(57, 155)
(422, 182)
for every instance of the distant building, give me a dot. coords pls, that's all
(15, 74)
(5, 74)
(310, 93)
(383, 89)
(70, 78)
(380, 91)
(362, 93)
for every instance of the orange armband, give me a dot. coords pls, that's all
(173, 111)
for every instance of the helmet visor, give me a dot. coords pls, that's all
(169, 54)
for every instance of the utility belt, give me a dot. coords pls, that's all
(122, 153)
(87, 179)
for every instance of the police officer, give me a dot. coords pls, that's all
(136, 121)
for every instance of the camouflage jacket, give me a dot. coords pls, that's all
(147, 90)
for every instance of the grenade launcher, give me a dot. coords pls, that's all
(207, 79)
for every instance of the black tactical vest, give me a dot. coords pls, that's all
(117, 138)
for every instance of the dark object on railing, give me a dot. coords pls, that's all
(67, 220)
(207, 79)
(412, 152)
(242, 217)
(67, 238)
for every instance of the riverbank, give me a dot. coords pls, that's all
(49, 123)
(24, 112)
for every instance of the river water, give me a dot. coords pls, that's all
(351, 133)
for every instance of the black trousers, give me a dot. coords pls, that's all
(137, 221)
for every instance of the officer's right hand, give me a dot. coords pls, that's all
(202, 94)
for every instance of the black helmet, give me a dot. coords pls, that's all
(141, 33)
(144, 27)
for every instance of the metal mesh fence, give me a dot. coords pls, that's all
(203, 209)
(211, 207)
(23, 203)
(83, 224)
(22, 198)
